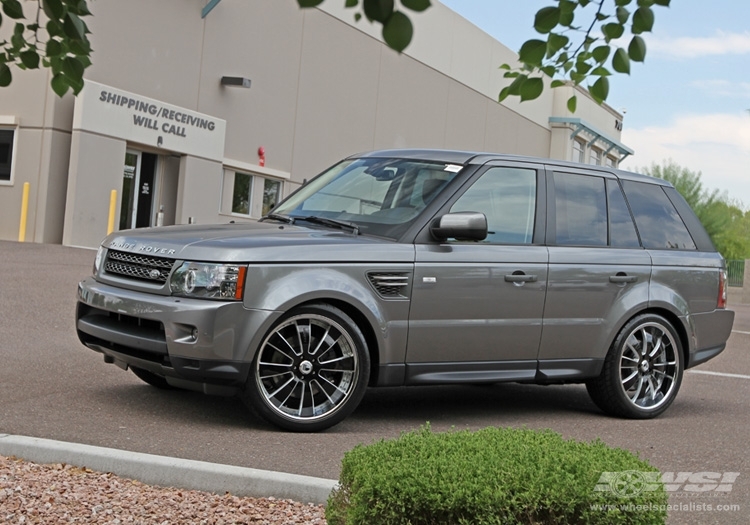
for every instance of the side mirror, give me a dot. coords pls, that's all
(462, 226)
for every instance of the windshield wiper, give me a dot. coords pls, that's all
(330, 222)
(277, 217)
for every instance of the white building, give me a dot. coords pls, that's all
(156, 124)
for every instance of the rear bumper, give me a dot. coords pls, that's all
(711, 331)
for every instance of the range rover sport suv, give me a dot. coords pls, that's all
(420, 267)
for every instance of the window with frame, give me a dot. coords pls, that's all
(595, 157)
(6, 153)
(610, 162)
(581, 210)
(659, 224)
(271, 195)
(507, 197)
(242, 194)
(578, 149)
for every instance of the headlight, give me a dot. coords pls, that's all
(208, 281)
(98, 260)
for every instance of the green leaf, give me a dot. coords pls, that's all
(30, 59)
(74, 27)
(572, 103)
(601, 53)
(622, 15)
(643, 20)
(558, 83)
(600, 89)
(600, 71)
(515, 86)
(637, 49)
(357, 17)
(549, 70)
(613, 31)
(59, 84)
(621, 61)
(621, 3)
(378, 10)
(351, 3)
(645, 3)
(54, 28)
(80, 8)
(664, 3)
(397, 31)
(555, 42)
(546, 19)
(566, 18)
(53, 9)
(53, 48)
(303, 3)
(584, 3)
(72, 68)
(5, 76)
(416, 5)
(532, 52)
(531, 89)
(582, 68)
(503, 94)
(13, 9)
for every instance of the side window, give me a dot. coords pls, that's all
(581, 210)
(622, 232)
(658, 222)
(507, 196)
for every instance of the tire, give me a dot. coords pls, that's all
(311, 370)
(151, 378)
(642, 372)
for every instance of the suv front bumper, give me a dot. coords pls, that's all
(197, 344)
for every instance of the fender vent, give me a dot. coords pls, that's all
(390, 285)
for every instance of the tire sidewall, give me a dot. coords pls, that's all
(255, 397)
(628, 408)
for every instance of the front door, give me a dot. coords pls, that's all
(476, 312)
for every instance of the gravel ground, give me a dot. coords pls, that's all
(56, 494)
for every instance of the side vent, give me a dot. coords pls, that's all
(390, 285)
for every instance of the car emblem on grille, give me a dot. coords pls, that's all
(154, 274)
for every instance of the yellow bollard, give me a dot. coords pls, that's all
(24, 212)
(112, 209)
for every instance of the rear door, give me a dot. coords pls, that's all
(476, 309)
(598, 271)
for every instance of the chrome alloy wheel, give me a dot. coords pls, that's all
(307, 368)
(649, 366)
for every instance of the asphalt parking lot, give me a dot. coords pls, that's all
(53, 387)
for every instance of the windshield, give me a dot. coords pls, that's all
(380, 196)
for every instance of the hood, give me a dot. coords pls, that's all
(257, 241)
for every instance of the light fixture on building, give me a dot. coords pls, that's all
(235, 81)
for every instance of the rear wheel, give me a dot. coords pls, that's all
(642, 372)
(151, 378)
(311, 370)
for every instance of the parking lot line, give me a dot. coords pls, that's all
(740, 332)
(722, 374)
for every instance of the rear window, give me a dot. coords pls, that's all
(659, 224)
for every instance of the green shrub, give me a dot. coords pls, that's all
(492, 476)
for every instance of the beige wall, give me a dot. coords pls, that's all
(321, 90)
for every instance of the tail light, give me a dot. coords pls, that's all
(722, 300)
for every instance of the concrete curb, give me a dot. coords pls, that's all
(171, 472)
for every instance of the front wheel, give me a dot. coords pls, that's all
(642, 371)
(311, 370)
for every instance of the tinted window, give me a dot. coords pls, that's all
(507, 196)
(659, 224)
(622, 232)
(581, 210)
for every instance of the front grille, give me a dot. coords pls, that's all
(136, 266)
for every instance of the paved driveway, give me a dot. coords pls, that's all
(53, 387)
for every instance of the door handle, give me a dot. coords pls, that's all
(622, 277)
(520, 277)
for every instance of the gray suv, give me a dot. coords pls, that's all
(420, 267)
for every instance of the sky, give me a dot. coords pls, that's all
(690, 100)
